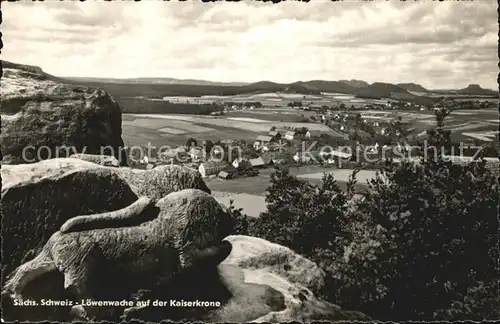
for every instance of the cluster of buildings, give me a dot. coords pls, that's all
(274, 139)
(196, 157)
(225, 170)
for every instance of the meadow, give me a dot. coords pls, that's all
(204, 104)
(164, 129)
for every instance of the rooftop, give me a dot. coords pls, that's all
(214, 164)
(257, 162)
(264, 138)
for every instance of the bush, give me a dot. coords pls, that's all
(240, 221)
(437, 241)
(421, 245)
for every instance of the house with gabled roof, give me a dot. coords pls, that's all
(290, 135)
(239, 161)
(261, 141)
(224, 175)
(257, 162)
(275, 135)
(267, 158)
(212, 168)
(196, 153)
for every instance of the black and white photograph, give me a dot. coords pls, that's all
(250, 161)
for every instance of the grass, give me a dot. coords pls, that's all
(140, 136)
(280, 116)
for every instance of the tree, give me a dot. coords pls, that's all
(272, 129)
(208, 144)
(300, 215)
(422, 244)
(240, 221)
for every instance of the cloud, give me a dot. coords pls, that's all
(439, 45)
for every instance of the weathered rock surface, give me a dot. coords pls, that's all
(259, 282)
(38, 198)
(276, 271)
(39, 113)
(158, 182)
(105, 160)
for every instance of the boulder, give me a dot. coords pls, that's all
(271, 283)
(105, 160)
(38, 198)
(113, 263)
(158, 182)
(43, 118)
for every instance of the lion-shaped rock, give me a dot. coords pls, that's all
(38, 198)
(105, 160)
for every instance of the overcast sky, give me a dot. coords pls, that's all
(439, 45)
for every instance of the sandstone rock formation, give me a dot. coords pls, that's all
(257, 262)
(39, 113)
(158, 182)
(130, 258)
(105, 160)
(259, 281)
(38, 198)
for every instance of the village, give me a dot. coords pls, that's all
(231, 159)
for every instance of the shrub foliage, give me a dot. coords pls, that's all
(421, 245)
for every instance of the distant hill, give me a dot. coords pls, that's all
(355, 83)
(262, 86)
(412, 87)
(36, 71)
(330, 86)
(476, 90)
(379, 90)
(22, 67)
(157, 81)
(124, 89)
(301, 88)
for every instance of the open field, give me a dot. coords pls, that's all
(464, 124)
(165, 129)
(140, 136)
(266, 99)
(276, 115)
(341, 175)
(252, 205)
(258, 185)
(251, 120)
(249, 193)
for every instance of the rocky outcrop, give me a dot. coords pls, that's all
(188, 223)
(256, 262)
(43, 118)
(158, 182)
(258, 281)
(38, 198)
(105, 160)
